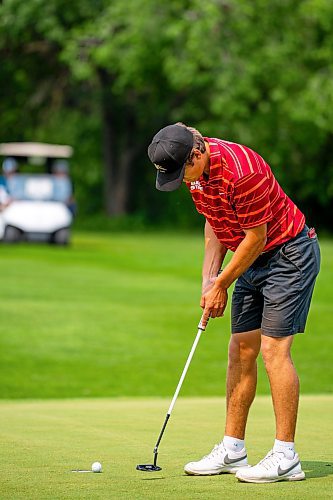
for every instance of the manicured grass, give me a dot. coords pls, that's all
(42, 442)
(116, 315)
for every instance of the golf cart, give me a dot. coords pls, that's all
(36, 195)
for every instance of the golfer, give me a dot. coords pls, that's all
(275, 261)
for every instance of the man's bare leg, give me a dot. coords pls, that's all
(241, 380)
(282, 463)
(284, 384)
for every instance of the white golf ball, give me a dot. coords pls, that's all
(96, 467)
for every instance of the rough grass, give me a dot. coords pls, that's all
(115, 315)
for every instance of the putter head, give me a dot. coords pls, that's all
(148, 468)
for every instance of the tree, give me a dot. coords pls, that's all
(254, 72)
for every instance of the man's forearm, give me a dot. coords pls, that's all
(214, 256)
(247, 252)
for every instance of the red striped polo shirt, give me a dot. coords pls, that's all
(240, 193)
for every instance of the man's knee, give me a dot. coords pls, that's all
(244, 348)
(274, 350)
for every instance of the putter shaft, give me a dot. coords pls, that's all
(189, 359)
(160, 437)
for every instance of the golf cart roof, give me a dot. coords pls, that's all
(35, 149)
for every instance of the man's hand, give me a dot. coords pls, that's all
(214, 303)
(215, 300)
(207, 285)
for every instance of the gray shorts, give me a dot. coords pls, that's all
(274, 294)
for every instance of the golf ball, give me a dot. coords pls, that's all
(96, 467)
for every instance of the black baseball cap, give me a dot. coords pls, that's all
(169, 151)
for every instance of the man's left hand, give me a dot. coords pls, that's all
(214, 303)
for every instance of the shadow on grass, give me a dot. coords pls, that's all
(317, 469)
(152, 478)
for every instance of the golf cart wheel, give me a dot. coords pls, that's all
(61, 237)
(12, 235)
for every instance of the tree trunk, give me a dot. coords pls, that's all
(117, 165)
(119, 150)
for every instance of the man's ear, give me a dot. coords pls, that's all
(197, 153)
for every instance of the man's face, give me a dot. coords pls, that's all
(195, 166)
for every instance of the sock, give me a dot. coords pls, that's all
(233, 444)
(288, 448)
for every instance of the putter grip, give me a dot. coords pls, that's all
(200, 326)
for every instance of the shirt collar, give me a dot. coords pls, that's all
(215, 161)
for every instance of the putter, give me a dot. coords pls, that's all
(154, 467)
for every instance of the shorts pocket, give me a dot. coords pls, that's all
(292, 254)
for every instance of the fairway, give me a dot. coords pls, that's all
(43, 441)
(85, 321)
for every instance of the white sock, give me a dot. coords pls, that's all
(287, 447)
(233, 444)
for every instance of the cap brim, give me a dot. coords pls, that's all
(170, 182)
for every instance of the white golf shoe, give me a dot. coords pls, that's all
(276, 466)
(218, 461)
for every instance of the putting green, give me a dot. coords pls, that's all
(42, 442)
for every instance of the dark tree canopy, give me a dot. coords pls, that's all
(104, 75)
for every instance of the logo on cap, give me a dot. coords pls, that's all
(160, 169)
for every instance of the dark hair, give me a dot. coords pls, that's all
(198, 141)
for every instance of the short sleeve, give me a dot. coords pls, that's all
(251, 201)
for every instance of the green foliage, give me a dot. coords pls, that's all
(258, 72)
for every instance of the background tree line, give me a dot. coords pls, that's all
(105, 75)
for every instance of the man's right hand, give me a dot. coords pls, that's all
(214, 302)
